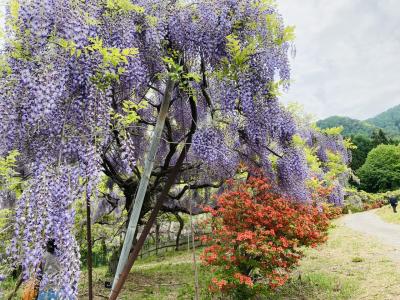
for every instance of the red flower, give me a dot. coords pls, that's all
(257, 230)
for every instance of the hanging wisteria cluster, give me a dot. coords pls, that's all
(328, 156)
(82, 84)
(334, 157)
(45, 211)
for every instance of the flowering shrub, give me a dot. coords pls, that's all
(256, 235)
(331, 211)
(373, 205)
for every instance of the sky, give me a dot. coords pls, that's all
(347, 56)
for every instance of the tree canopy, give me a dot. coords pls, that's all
(381, 170)
(350, 126)
(359, 154)
(378, 137)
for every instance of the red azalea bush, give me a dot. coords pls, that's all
(256, 235)
(331, 211)
(374, 205)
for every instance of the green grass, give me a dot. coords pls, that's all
(387, 214)
(6, 287)
(167, 277)
(348, 266)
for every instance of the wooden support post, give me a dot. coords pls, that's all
(89, 245)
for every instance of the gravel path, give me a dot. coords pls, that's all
(371, 224)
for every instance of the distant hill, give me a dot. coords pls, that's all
(388, 121)
(350, 126)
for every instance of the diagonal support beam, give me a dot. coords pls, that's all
(164, 195)
(144, 180)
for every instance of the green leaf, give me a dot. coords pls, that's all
(9, 178)
(193, 77)
(123, 6)
(14, 9)
(333, 131)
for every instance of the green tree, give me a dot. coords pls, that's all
(378, 137)
(381, 170)
(359, 155)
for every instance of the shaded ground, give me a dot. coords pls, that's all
(169, 276)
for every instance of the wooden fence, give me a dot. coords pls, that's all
(185, 242)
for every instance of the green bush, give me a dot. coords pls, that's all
(381, 170)
(356, 201)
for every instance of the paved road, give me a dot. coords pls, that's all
(371, 224)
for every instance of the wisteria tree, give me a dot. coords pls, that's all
(83, 84)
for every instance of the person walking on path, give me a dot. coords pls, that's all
(393, 202)
(50, 270)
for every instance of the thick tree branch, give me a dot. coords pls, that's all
(110, 171)
(164, 195)
(204, 86)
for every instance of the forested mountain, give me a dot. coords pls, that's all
(350, 126)
(388, 121)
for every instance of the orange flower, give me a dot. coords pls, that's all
(244, 279)
(219, 283)
(254, 227)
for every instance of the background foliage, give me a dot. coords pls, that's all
(388, 121)
(381, 171)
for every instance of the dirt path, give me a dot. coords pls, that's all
(371, 224)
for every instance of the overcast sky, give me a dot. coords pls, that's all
(348, 55)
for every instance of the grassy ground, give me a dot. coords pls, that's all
(6, 287)
(166, 277)
(386, 213)
(348, 266)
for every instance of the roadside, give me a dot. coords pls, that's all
(387, 215)
(374, 225)
(351, 265)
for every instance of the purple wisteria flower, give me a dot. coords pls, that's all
(69, 71)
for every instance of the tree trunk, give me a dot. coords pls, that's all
(160, 201)
(196, 276)
(113, 262)
(157, 236)
(178, 235)
(169, 230)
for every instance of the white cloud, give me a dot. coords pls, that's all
(348, 60)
